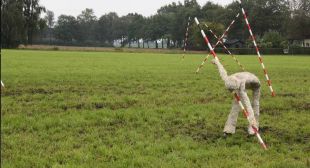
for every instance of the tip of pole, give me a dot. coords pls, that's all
(265, 146)
(273, 94)
(196, 20)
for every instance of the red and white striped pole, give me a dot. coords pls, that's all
(252, 122)
(221, 38)
(206, 39)
(227, 50)
(236, 95)
(186, 38)
(257, 49)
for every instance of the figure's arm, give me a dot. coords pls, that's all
(222, 71)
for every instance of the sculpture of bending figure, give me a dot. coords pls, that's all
(238, 83)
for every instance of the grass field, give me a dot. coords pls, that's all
(101, 109)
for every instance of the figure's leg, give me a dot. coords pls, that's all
(246, 101)
(256, 97)
(230, 126)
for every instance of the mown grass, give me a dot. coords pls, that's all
(100, 109)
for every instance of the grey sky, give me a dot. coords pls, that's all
(122, 7)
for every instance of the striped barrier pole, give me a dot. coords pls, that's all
(252, 122)
(257, 50)
(224, 34)
(2, 84)
(206, 39)
(236, 95)
(227, 50)
(203, 63)
(186, 38)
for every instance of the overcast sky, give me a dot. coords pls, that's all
(122, 7)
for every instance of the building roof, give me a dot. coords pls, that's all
(233, 41)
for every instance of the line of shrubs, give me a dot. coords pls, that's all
(267, 51)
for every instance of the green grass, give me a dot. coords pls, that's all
(100, 109)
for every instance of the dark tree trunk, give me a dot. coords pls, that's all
(162, 43)
(30, 33)
(50, 34)
(156, 44)
(179, 44)
(168, 42)
(143, 43)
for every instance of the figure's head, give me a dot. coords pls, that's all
(215, 61)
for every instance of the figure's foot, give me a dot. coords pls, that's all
(225, 135)
(251, 131)
(229, 129)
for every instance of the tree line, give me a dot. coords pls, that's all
(274, 22)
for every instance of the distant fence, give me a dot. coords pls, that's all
(267, 51)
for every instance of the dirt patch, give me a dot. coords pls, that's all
(203, 100)
(273, 111)
(121, 105)
(285, 136)
(98, 105)
(79, 106)
(302, 106)
(195, 129)
(19, 92)
(7, 92)
(40, 91)
(288, 95)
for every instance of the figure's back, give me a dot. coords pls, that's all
(250, 79)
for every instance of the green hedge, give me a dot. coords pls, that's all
(265, 51)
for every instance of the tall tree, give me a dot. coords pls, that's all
(12, 21)
(49, 18)
(213, 12)
(86, 21)
(300, 19)
(274, 13)
(108, 29)
(176, 16)
(263, 15)
(132, 24)
(157, 28)
(198, 43)
(32, 11)
(66, 28)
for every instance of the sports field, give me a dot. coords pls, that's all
(109, 109)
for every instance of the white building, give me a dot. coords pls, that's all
(306, 43)
(300, 42)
